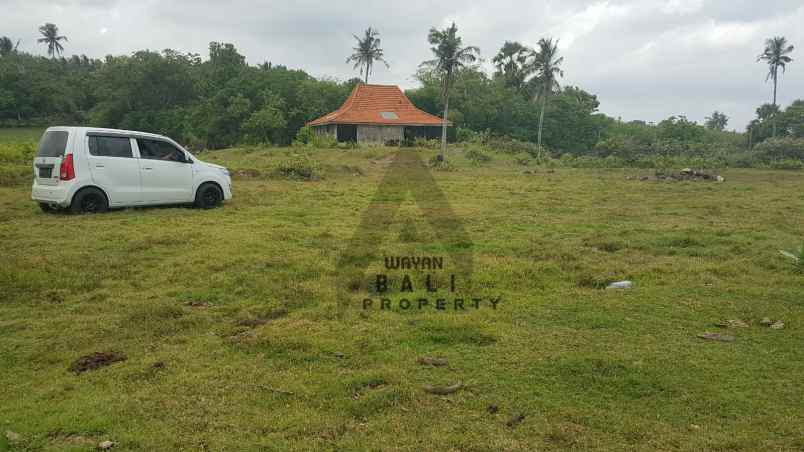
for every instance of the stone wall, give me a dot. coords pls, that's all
(378, 135)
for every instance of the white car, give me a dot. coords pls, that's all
(91, 170)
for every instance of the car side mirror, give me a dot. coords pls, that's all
(188, 160)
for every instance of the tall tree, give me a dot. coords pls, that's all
(366, 52)
(510, 62)
(776, 56)
(450, 58)
(546, 65)
(50, 36)
(7, 47)
(718, 121)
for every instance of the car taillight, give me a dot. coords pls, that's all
(66, 170)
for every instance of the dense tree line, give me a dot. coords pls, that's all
(220, 101)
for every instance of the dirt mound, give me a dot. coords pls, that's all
(96, 361)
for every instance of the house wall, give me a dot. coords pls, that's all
(378, 135)
(324, 130)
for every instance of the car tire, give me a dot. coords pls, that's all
(208, 196)
(89, 200)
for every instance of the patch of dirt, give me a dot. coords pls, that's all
(431, 361)
(717, 337)
(200, 304)
(515, 420)
(443, 390)
(96, 361)
(249, 172)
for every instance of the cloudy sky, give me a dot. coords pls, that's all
(645, 59)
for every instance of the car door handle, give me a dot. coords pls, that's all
(98, 166)
(147, 168)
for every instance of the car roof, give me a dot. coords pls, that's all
(110, 131)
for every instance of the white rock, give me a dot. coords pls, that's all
(777, 325)
(105, 445)
(621, 285)
(721, 179)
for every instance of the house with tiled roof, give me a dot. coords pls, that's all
(378, 114)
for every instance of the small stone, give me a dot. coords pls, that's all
(695, 427)
(777, 325)
(720, 179)
(621, 285)
(766, 321)
(105, 445)
(717, 337)
(12, 436)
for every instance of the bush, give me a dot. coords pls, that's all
(298, 167)
(476, 156)
(784, 148)
(440, 164)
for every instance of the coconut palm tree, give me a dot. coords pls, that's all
(449, 59)
(368, 51)
(50, 33)
(546, 64)
(776, 55)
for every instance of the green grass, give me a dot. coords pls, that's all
(268, 359)
(21, 134)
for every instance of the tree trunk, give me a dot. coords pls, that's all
(541, 122)
(444, 126)
(774, 102)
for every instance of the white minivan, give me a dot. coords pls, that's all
(90, 170)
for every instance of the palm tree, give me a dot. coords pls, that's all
(367, 52)
(7, 47)
(449, 59)
(50, 33)
(511, 61)
(546, 65)
(776, 55)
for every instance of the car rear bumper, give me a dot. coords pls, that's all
(51, 194)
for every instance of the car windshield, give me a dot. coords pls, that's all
(53, 144)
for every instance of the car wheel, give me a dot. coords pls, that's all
(208, 196)
(89, 200)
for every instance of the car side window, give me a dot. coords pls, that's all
(101, 146)
(159, 150)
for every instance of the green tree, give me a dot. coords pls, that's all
(511, 63)
(368, 51)
(50, 36)
(546, 64)
(266, 124)
(450, 58)
(718, 121)
(7, 47)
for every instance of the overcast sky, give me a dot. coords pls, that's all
(645, 59)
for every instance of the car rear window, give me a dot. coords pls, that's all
(110, 146)
(53, 144)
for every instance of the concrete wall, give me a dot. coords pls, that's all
(378, 135)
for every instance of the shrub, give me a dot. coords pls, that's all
(784, 148)
(476, 156)
(298, 167)
(440, 164)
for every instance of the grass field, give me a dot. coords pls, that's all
(235, 339)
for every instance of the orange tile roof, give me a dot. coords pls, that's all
(369, 104)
